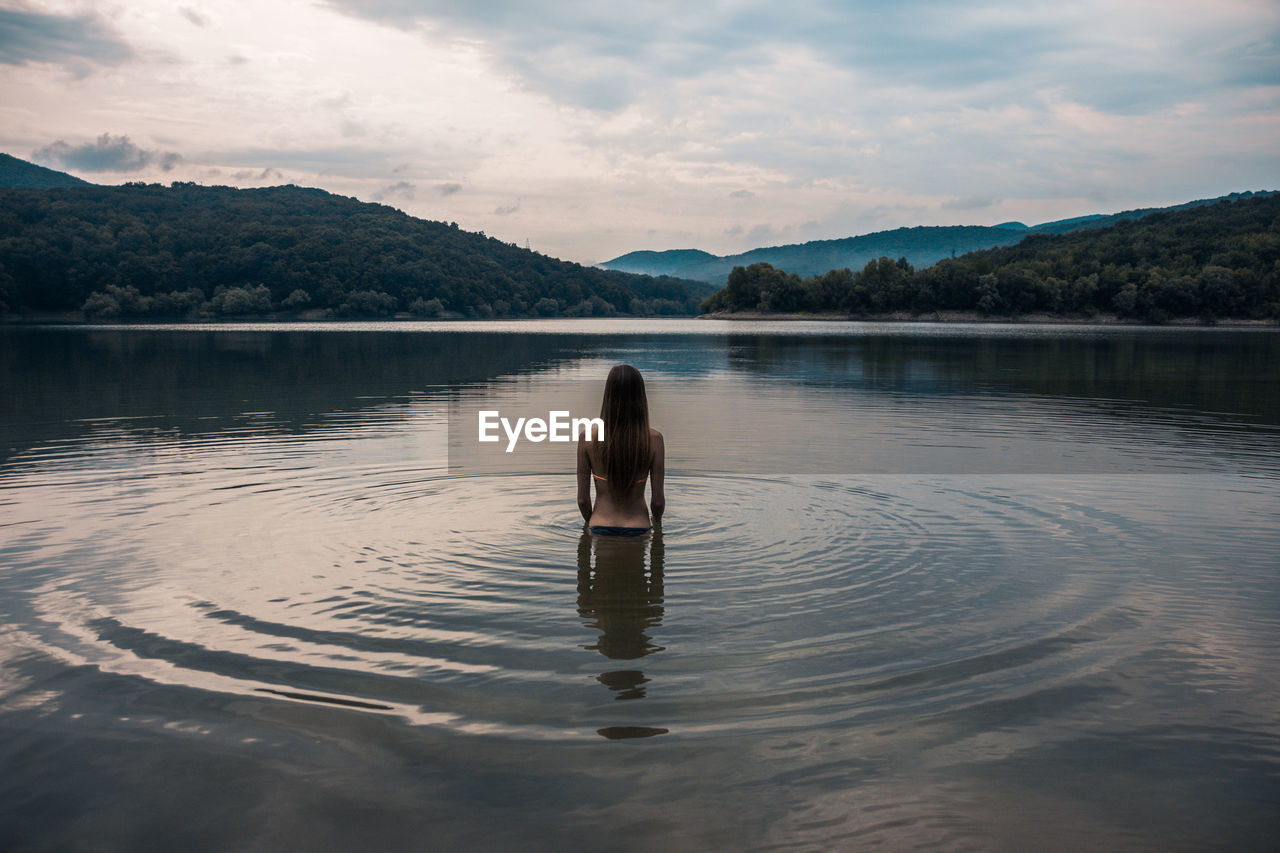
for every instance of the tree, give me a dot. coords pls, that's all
(366, 303)
(296, 300)
(235, 301)
(426, 307)
(101, 306)
(742, 291)
(780, 291)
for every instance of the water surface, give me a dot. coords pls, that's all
(961, 587)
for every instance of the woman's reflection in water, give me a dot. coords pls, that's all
(623, 599)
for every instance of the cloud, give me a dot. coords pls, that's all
(106, 154)
(400, 189)
(947, 110)
(38, 37)
(971, 203)
(266, 174)
(608, 56)
(666, 117)
(598, 56)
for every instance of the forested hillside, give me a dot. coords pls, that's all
(189, 250)
(922, 246)
(20, 173)
(1209, 262)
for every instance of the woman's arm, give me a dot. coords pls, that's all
(584, 482)
(657, 476)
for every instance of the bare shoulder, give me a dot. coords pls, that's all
(654, 435)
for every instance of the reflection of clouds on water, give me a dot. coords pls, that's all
(330, 568)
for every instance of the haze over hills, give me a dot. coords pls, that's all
(190, 250)
(922, 246)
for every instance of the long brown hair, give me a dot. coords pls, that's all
(626, 452)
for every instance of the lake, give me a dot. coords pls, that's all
(965, 587)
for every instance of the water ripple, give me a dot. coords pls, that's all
(477, 604)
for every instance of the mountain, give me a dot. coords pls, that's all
(189, 250)
(20, 173)
(922, 246)
(1097, 220)
(1198, 261)
(657, 263)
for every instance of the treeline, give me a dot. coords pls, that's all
(146, 250)
(1220, 261)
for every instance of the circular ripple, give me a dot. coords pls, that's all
(479, 604)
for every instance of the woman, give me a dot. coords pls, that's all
(630, 454)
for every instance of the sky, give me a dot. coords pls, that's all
(590, 129)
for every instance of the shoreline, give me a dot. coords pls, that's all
(75, 318)
(971, 317)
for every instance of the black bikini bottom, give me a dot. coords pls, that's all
(603, 530)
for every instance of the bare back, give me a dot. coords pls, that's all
(626, 507)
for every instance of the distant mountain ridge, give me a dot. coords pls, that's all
(922, 246)
(23, 175)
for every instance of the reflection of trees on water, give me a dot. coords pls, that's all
(194, 381)
(1132, 369)
(190, 381)
(621, 596)
(59, 382)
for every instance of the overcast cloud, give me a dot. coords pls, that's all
(662, 124)
(105, 154)
(32, 36)
(1107, 55)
